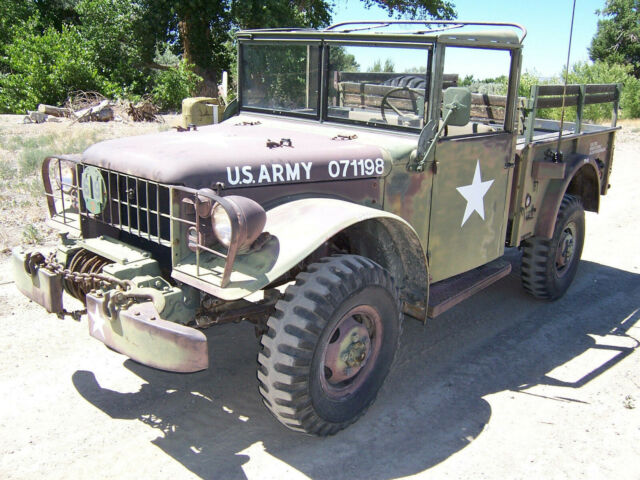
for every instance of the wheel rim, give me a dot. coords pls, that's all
(565, 252)
(351, 351)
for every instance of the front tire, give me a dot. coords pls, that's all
(549, 266)
(330, 344)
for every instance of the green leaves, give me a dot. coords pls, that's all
(51, 47)
(45, 67)
(173, 85)
(617, 40)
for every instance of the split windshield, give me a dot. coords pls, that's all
(372, 85)
(280, 78)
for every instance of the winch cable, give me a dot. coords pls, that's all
(558, 155)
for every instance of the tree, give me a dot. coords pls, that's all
(617, 40)
(439, 9)
(115, 43)
(378, 66)
(203, 27)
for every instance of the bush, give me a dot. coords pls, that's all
(601, 72)
(171, 86)
(45, 67)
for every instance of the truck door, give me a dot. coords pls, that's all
(468, 215)
(472, 174)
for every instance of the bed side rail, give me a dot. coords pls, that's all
(557, 96)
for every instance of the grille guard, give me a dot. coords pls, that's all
(152, 211)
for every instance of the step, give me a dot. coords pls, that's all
(447, 293)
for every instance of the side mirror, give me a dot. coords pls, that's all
(456, 106)
(456, 110)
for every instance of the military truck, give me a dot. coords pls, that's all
(356, 182)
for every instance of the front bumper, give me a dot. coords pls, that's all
(138, 332)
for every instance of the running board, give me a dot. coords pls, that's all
(447, 293)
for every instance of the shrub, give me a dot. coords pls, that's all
(171, 86)
(45, 67)
(601, 72)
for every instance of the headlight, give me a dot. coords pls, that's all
(63, 174)
(221, 225)
(237, 220)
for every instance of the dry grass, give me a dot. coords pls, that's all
(22, 149)
(632, 124)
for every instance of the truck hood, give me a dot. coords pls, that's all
(242, 152)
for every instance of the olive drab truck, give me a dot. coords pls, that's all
(358, 179)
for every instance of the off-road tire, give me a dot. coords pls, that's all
(292, 368)
(411, 81)
(543, 274)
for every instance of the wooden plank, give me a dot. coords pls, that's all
(556, 102)
(545, 90)
(370, 89)
(350, 100)
(486, 99)
(448, 79)
(490, 113)
(601, 88)
(599, 98)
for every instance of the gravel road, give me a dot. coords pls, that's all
(502, 386)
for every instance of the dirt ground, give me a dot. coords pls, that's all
(501, 387)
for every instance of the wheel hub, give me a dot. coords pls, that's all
(353, 346)
(566, 249)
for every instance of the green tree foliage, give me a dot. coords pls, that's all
(440, 9)
(197, 29)
(584, 73)
(45, 67)
(111, 30)
(48, 47)
(246, 14)
(602, 72)
(171, 86)
(617, 40)
(378, 66)
(342, 61)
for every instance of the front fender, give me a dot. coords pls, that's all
(297, 229)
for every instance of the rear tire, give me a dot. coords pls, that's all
(330, 344)
(549, 265)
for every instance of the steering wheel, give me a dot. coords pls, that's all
(413, 94)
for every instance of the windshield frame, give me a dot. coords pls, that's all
(321, 112)
(276, 111)
(428, 48)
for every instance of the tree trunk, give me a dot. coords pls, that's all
(196, 57)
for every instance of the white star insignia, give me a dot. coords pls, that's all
(474, 195)
(97, 329)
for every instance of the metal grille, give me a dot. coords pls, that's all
(134, 205)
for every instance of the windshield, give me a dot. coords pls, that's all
(376, 85)
(280, 78)
(379, 85)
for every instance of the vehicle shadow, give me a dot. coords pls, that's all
(431, 407)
